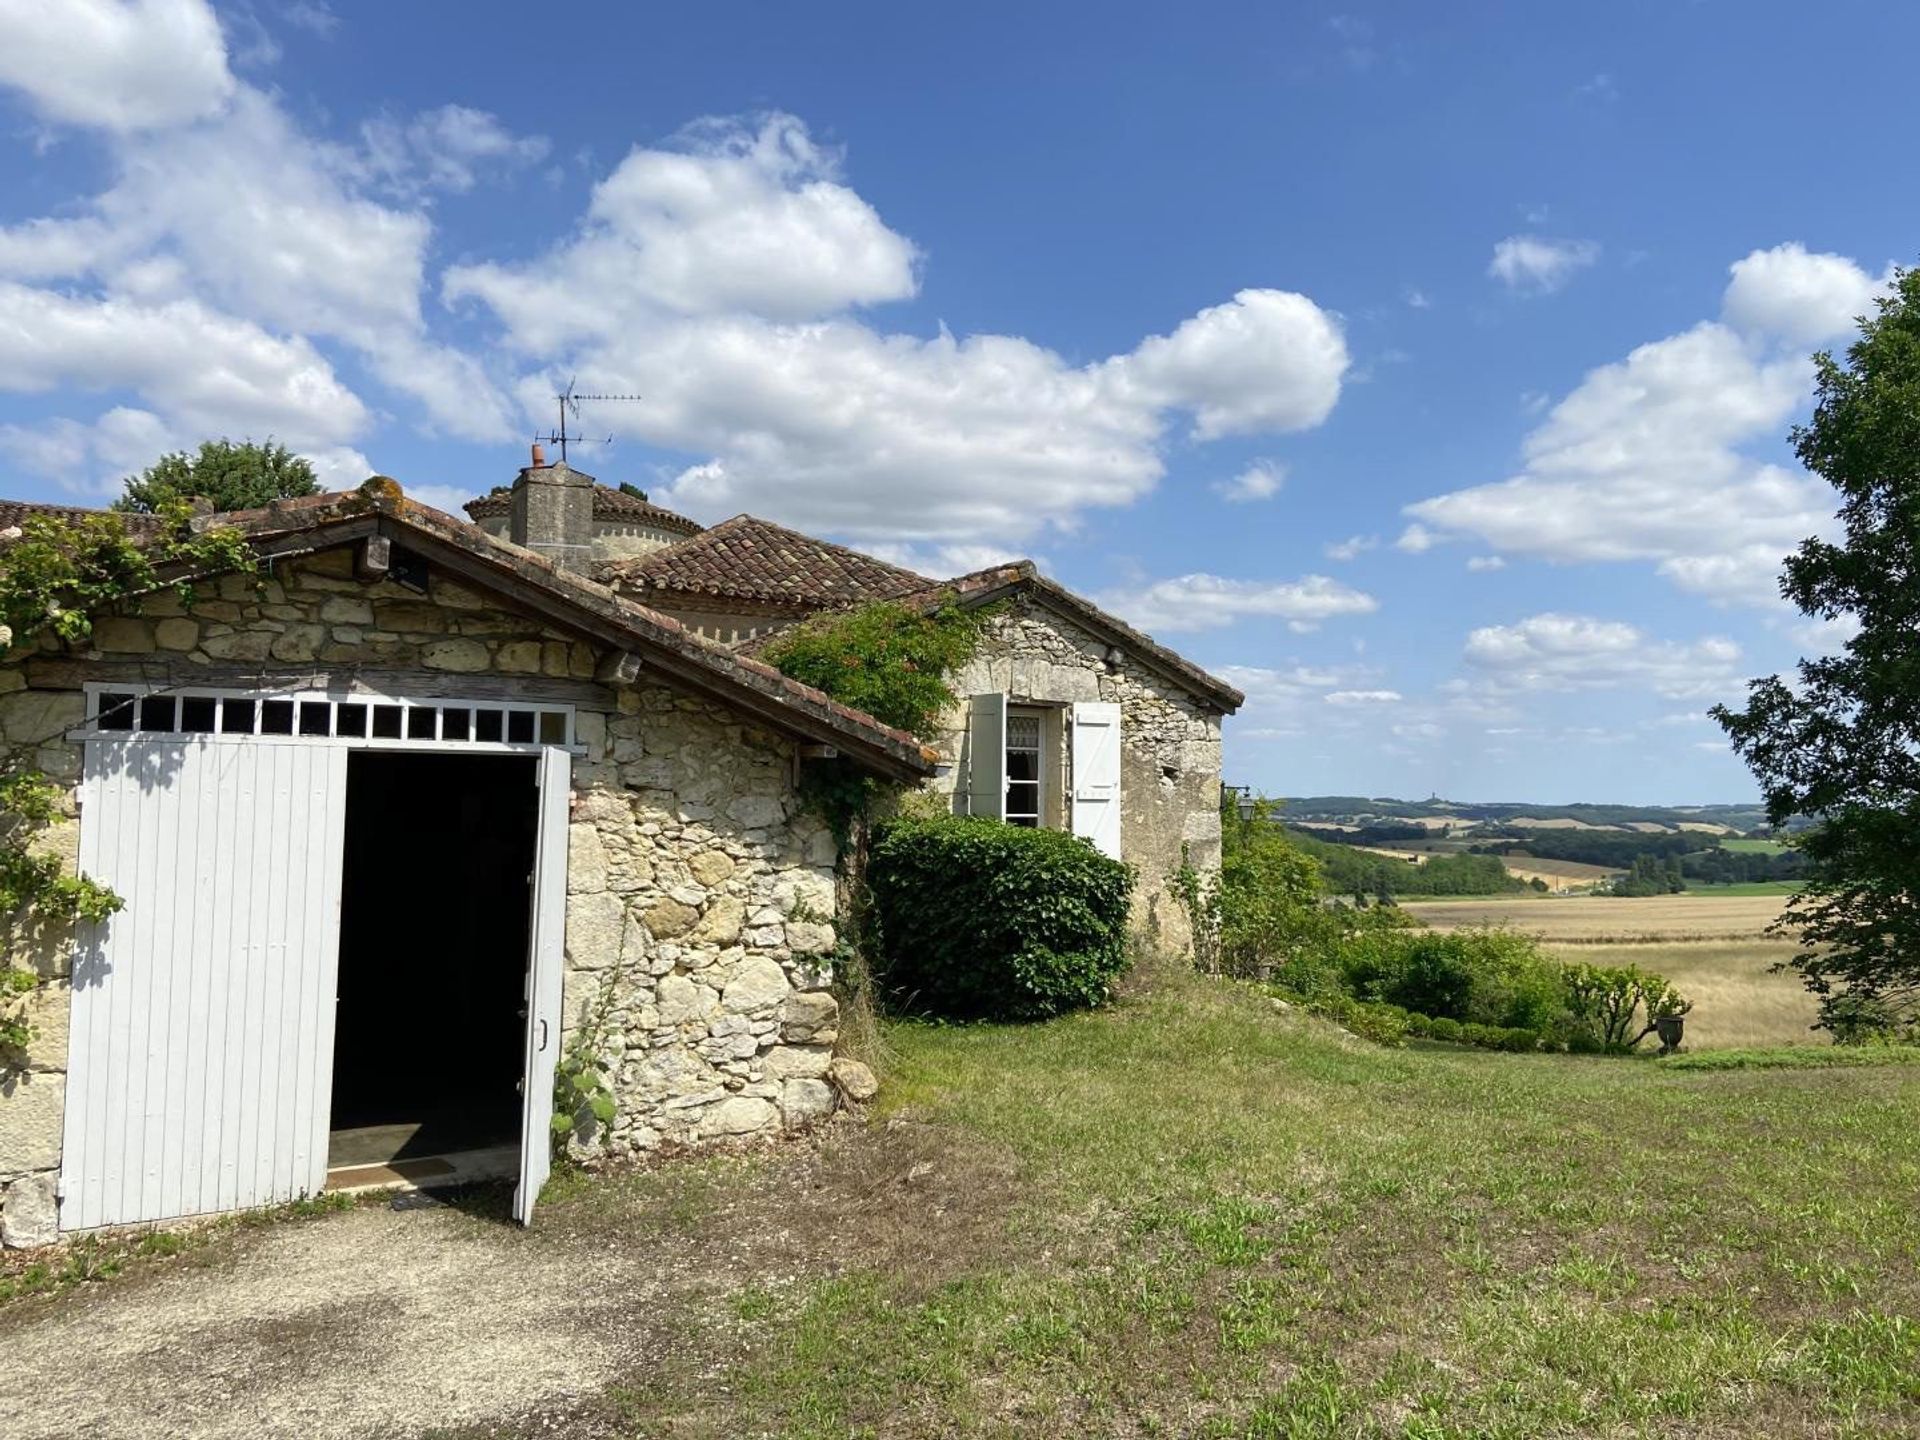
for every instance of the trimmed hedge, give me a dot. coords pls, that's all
(978, 920)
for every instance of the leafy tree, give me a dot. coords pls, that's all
(1841, 743)
(234, 476)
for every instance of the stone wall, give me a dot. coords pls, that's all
(1170, 747)
(697, 890)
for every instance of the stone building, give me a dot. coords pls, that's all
(401, 818)
(1069, 717)
(402, 760)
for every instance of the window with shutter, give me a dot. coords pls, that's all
(1095, 756)
(987, 755)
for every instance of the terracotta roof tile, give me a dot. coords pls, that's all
(747, 558)
(13, 512)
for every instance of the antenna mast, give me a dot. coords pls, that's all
(569, 403)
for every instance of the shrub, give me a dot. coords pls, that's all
(1444, 1028)
(1369, 1019)
(1488, 976)
(975, 919)
(1614, 1008)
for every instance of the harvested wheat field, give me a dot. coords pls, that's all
(1714, 948)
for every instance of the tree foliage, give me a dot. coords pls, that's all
(1841, 742)
(892, 661)
(233, 475)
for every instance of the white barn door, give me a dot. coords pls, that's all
(546, 967)
(202, 1027)
(1095, 757)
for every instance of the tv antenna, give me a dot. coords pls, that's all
(569, 402)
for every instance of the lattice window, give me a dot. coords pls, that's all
(371, 720)
(1023, 769)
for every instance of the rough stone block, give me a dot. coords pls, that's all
(518, 657)
(794, 1062)
(409, 616)
(32, 1108)
(722, 922)
(757, 983)
(669, 917)
(803, 1101)
(298, 644)
(247, 646)
(808, 937)
(742, 1115)
(462, 656)
(810, 1017)
(176, 634)
(711, 867)
(594, 924)
(30, 1214)
(854, 1079)
(49, 1011)
(30, 716)
(346, 610)
(586, 860)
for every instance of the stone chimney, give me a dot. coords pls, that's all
(550, 510)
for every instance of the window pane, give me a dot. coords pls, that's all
(315, 716)
(197, 713)
(1023, 732)
(156, 712)
(420, 722)
(236, 717)
(553, 727)
(276, 717)
(386, 722)
(487, 725)
(453, 723)
(1023, 798)
(350, 719)
(1023, 764)
(520, 726)
(116, 712)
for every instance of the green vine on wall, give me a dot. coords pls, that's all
(54, 575)
(583, 1098)
(890, 660)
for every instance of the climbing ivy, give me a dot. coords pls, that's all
(583, 1077)
(54, 574)
(888, 659)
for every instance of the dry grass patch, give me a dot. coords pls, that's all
(1606, 919)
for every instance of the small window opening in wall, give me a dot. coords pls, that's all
(314, 717)
(1023, 770)
(236, 717)
(520, 726)
(487, 725)
(454, 723)
(1169, 772)
(116, 712)
(386, 722)
(156, 712)
(276, 717)
(198, 714)
(350, 718)
(420, 722)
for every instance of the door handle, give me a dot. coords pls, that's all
(543, 1035)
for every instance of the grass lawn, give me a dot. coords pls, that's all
(1752, 847)
(1194, 1215)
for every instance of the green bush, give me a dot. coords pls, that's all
(1487, 976)
(1369, 1019)
(1614, 1008)
(974, 919)
(1442, 1027)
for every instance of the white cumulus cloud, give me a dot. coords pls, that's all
(1647, 459)
(1259, 481)
(1209, 602)
(120, 65)
(1535, 265)
(1579, 652)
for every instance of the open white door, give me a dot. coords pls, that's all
(1096, 774)
(545, 969)
(987, 756)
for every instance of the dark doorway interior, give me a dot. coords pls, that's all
(435, 920)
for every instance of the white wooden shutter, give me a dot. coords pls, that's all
(546, 967)
(1095, 757)
(987, 756)
(199, 1076)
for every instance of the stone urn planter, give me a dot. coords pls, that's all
(1670, 1029)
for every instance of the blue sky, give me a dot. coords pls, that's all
(1424, 370)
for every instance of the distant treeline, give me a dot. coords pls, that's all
(1347, 871)
(1700, 859)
